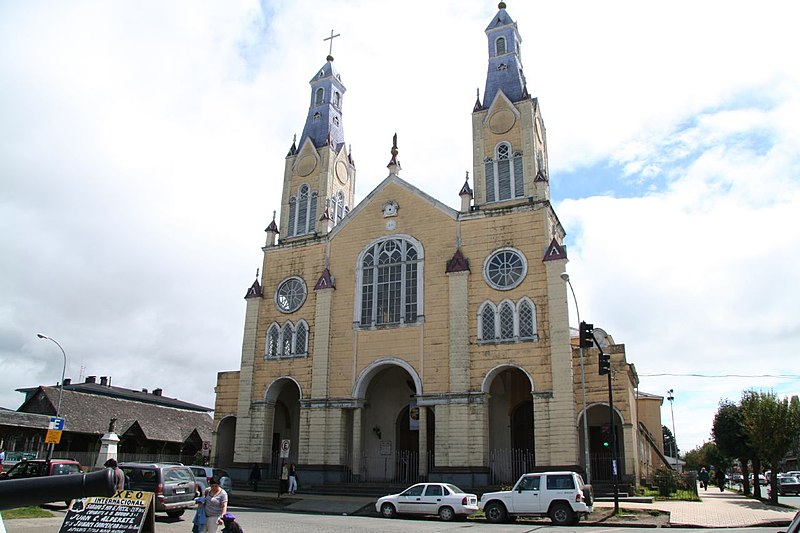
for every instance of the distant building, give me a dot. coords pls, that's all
(150, 425)
(397, 338)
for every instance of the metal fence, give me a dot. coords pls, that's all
(507, 465)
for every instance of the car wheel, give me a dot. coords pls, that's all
(446, 513)
(561, 515)
(495, 513)
(175, 514)
(388, 510)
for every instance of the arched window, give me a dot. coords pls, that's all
(301, 339)
(500, 46)
(336, 98)
(292, 215)
(504, 174)
(273, 341)
(486, 326)
(338, 208)
(390, 274)
(320, 96)
(302, 210)
(286, 339)
(506, 321)
(526, 313)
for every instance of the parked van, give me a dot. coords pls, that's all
(173, 485)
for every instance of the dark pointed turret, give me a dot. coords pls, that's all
(505, 66)
(324, 121)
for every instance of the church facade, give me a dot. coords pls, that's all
(397, 338)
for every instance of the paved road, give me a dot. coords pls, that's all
(257, 521)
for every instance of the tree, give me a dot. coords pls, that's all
(707, 455)
(730, 437)
(773, 430)
(670, 445)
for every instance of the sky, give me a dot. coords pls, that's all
(142, 147)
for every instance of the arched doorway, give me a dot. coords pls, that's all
(226, 436)
(390, 425)
(511, 423)
(284, 395)
(601, 440)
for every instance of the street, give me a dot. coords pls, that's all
(257, 521)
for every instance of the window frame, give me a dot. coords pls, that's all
(381, 287)
(302, 301)
(488, 261)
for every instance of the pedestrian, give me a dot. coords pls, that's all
(255, 477)
(216, 505)
(703, 477)
(283, 483)
(199, 520)
(292, 478)
(231, 525)
(2, 458)
(119, 475)
(721, 477)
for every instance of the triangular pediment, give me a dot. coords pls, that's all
(555, 252)
(502, 114)
(390, 181)
(307, 159)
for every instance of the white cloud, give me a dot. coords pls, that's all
(142, 149)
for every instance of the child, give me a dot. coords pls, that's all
(229, 521)
(199, 519)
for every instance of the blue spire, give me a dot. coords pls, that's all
(324, 121)
(505, 65)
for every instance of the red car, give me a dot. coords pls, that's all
(41, 467)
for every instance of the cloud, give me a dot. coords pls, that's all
(142, 149)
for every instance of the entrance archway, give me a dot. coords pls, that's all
(600, 442)
(284, 395)
(511, 423)
(226, 436)
(390, 425)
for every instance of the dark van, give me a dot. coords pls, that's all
(173, 485)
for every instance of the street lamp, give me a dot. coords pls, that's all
(565, 277)
(61, 388)
(670, 398)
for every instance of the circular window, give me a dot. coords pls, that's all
(290, 295)
(505, 269)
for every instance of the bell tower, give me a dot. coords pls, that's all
(320, 173)
(508, 136)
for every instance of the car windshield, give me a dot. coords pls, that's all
(59, 469)
(454, 489)
(177, 474)
(785, 480)
(219, 473)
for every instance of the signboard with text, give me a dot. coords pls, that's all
(128, 511)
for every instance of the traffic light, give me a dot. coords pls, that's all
(605, 363)
(586, 335)
(605, 435)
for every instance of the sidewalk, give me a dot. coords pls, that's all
(717, 509)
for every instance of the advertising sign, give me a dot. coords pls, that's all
(128, 511)
(286, 445)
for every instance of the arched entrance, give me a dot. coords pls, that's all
(226, 436)
(600, 442)
(284, 395)
(511, 423)
(391, 425)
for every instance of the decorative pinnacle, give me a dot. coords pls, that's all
(330, 49)
(394, 145)
(501, 5)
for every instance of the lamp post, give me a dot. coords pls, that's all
(61, 387)
(565, 277)
(670, 398)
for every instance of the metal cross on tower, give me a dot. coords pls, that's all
(331, 38)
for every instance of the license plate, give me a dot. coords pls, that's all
(180, 491)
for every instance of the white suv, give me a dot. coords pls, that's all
(560, 495)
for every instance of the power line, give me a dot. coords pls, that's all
(789, 376)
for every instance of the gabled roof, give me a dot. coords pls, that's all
(394, 179)
(92, 413)
(122, 393)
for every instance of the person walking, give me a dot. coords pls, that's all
(721, 478)
(119, 475)
(292, 478)
(283, 482)
(216, 505)
(703, 477)
(255, 476)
